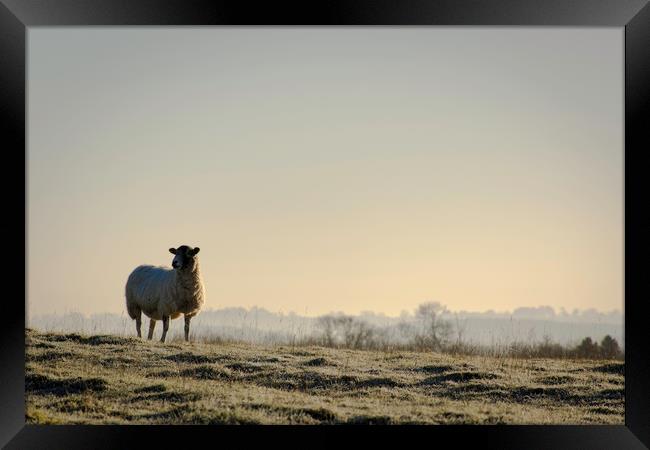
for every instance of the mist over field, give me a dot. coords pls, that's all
(258, 325)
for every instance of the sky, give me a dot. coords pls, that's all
(328, 169)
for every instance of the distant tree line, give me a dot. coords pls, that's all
(431, 327)
(429, 332)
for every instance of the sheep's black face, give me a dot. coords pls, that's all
(184, 257)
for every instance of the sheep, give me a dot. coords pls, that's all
(162, 293)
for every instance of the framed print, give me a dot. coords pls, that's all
(423, 220)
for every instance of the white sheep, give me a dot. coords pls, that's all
(162, 293)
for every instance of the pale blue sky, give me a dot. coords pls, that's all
(326, 169)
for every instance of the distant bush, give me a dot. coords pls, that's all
(587, 349)
(609, 348)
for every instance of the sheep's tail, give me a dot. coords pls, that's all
(133, 310)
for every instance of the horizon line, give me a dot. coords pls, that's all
(555, 312)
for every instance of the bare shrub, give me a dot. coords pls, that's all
(432, 332)
(346, 331)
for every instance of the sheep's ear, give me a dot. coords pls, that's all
(172, 251)
(195, 251)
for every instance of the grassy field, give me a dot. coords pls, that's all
(115, 380)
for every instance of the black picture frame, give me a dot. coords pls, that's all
(16, 16)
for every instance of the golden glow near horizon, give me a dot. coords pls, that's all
(328, 169)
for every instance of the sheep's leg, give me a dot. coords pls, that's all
(165, 321)
(138, 323)
(152, 325)
(187, 328)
